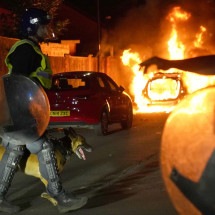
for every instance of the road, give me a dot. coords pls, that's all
(121, 176)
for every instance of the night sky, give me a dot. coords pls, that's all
(107, 8)
(143, 25)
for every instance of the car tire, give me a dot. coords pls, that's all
(127, 123)
(102, 128)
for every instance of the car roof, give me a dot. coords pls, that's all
(161, 75)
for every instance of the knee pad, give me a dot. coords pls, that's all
(47, 145)
(36, 146)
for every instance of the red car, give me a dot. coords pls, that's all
(88, 99)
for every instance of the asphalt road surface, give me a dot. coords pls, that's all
(121, 176)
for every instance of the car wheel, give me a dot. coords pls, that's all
(127, 123)
(102, 127)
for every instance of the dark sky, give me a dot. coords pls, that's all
(107, 8)
(143, 25)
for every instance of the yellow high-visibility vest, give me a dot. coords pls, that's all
(43, 73)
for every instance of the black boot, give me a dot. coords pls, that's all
(8, 166)
(49, 171)
(69, 202)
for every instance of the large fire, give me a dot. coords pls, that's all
(176, 50)
(175, 47)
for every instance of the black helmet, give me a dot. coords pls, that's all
(31, 19)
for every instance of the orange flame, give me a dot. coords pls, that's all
(176, 50)
(175, 47)
(199, 37)
(177, 14)
(133, 60)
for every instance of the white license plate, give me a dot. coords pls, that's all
(60, 113)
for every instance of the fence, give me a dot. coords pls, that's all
(58, 63)
(110, 65)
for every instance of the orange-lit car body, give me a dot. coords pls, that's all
(88, 99)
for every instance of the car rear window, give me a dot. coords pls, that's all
(164, 89)
(77, 82)
(70, 83)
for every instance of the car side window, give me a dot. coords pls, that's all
(64, 84)
(101, 82)
(61, 83)
(55, 84)
(112, 85)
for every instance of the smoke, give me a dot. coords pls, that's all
(145, 28)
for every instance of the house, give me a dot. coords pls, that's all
(79, 46)
(82, 29)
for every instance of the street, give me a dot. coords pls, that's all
(121, 176)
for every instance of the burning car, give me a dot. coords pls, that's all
(191, 53)
(164, 90)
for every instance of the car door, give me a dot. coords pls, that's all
(115, 98)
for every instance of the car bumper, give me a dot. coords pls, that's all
(70, 124)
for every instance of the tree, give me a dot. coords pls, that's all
(17, 8)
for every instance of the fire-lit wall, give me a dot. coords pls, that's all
(109, 65)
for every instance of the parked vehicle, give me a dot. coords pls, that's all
(89, 99)
(164, 89)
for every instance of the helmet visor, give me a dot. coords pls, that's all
(45, 33)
